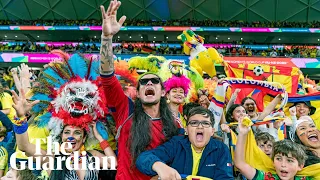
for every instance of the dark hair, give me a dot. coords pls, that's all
(229, 113)
(264, 137)
(246, 98)
(187, 107)
(140, 135)
(286, 147)
(3, 131)
(312, 155)
(203, 111)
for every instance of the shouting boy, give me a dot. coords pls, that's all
(197, 154)
(288, 158)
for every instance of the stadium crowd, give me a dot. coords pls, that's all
(187, 22)
(167, 123)
(164, 49)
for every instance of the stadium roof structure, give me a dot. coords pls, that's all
(246, 10)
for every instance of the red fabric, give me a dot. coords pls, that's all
(117, 100)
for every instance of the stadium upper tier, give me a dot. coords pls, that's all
(234, 50)
(139, 22)
(163, 28)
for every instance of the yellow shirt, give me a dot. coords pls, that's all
(3, 159)
(196, 161)
(6, 102)
(35, 132)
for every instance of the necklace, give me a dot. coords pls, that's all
(151, 118)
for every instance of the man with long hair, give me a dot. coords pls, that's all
(142, 125)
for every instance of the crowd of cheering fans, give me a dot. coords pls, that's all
(155, 129)
(187, 22)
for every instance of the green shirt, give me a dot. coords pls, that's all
(261, 175)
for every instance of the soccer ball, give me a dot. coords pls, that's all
(258, 70)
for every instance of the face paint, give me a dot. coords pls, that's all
(302, 134)
(70, 138)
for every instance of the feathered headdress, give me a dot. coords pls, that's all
(127, 78)
(70, 93)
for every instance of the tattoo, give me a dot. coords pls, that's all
(302, 134)
(106, 52)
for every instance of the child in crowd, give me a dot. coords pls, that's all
(288, 158)
(265, 142)
(196, 154)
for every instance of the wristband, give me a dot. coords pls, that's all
(20, 129)
(19, 121)
(104, 144)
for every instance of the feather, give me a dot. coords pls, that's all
(43, 120)
(195, 78)
(78, 65)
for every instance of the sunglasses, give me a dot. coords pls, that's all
(153, 80)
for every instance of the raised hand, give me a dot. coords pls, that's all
(225, 128)
(293, 111)
(243, 129)
(110, 25)
(24, 77)
(21, 105)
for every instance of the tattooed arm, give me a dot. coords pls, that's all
(110, 26)
(106, 56)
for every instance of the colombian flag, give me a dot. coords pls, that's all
(288, 76)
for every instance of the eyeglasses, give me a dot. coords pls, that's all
(146, 80)
(195, 123)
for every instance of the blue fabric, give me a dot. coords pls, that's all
(102, 130)
(215, 162)
(6, 122)
(20, 129)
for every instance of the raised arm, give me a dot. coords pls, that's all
(271, 106)
(239, 155)
(117, 101)
(110, 26)
(233, 98)
(20, 126)
(108, 152)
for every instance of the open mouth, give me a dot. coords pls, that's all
(77, 109)
(313, 137)
(178, 97)
(284, 173)
(72, 142)
(149, 92)
(199, 136)
(302, 112)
